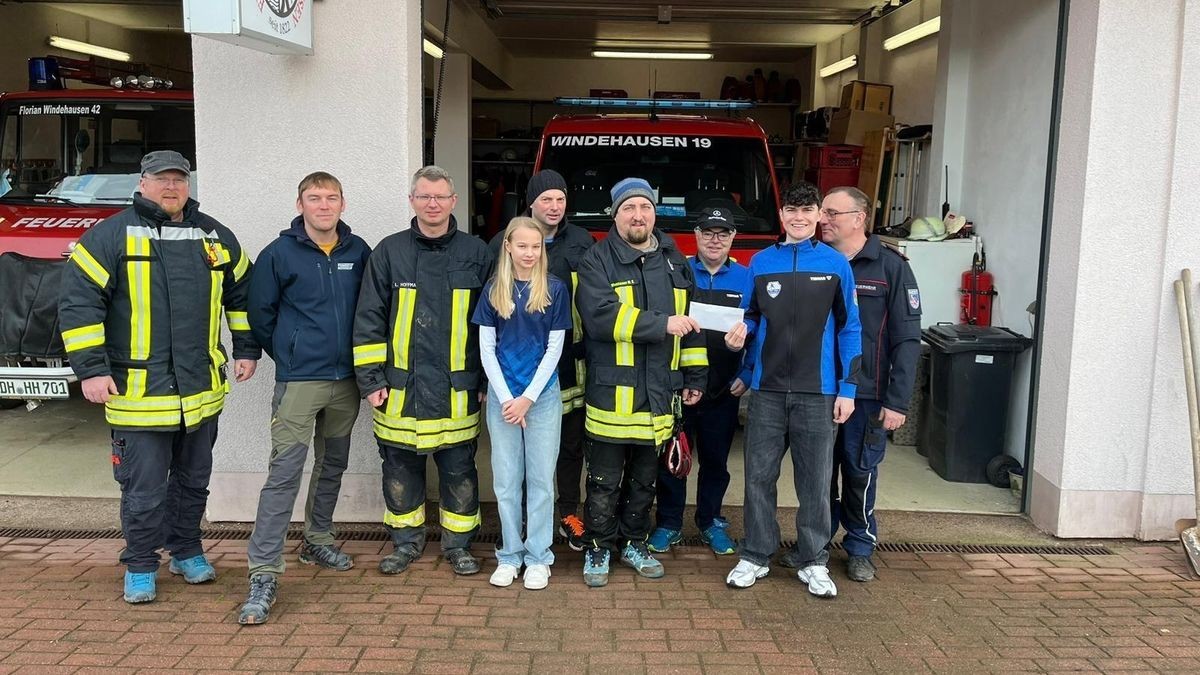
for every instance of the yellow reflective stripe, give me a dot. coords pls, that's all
(395, 403)
(414, 518)
(459, 304)
(243, 264)
(365, 355)
(238, 320)
(680, 309)
(637, 426)
(95, 271)
(576, 321)
(623, 400)
(138, 273)
(214, 327)
(130, 404)
(406, 303)
(164, 418)
(693, 356)
(425, 434)
(627, 315)
(83, 337)
(135, 383)
(459, 523)
(458, 404)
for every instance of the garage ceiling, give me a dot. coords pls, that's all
(153, 15)
(751, 30)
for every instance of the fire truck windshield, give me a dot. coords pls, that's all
(688, 172)
(87, 152)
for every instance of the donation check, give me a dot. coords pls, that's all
(716, 317)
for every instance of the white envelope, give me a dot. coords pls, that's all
(716, 317)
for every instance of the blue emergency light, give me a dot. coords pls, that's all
(655, 103)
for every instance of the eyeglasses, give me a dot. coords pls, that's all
(166, 180)
(831, 214)
(719, 235)
(437, 199)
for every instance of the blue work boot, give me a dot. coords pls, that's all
(595, 567)
(717, 539)
(195, 570)
(140, 586)
(661, 539)
(636, 556)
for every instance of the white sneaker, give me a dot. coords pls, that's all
(819, 583)
(504, 575)
(745, 574)
(537, 577)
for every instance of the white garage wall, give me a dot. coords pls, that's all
(26, 28)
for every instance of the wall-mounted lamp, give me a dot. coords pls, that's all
(913, 34)
(88, 48)
(838, 66)
(431, 49)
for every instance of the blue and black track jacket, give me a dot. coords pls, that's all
(802, 315)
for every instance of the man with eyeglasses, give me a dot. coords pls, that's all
(889, 305)
(416, 358)
(140, 315)
(802, 315)
(711, 423)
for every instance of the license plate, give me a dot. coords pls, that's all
(17, 387)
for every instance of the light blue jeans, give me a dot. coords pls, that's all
(526, 456)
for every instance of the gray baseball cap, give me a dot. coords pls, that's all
(165, 160)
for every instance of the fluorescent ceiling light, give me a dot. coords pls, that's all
(431, 49)
(913, 34)
(838, 66)
(88, 48)
(677, 56)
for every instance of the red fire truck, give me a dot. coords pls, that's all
(68, 159)
(692, 160)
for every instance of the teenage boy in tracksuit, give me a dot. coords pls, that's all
(301, 310)
(802, 315)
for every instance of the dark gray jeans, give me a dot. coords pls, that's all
(805, 421)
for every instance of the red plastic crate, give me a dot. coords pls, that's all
(827, 179)
(834, 157)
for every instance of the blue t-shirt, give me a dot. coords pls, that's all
(521, 339)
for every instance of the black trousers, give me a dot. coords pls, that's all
(570, 463)
(164, 490)
(620, 490)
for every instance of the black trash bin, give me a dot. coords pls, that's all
(970, 377)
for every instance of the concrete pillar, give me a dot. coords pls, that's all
(452, 144)
(353, 108)
(1112, 456)
(949, 105)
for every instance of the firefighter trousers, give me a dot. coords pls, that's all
(164, 489)
(404, 495)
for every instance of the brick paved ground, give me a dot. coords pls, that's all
(61, 611)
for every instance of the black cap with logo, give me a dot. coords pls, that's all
(716, 217)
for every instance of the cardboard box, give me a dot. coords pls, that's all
(868, 96)
(849, 127)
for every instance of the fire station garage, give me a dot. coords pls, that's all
(986, 137)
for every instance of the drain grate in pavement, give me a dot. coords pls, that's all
(372, 532)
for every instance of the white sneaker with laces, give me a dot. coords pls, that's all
(537, 577)
(745, 574)
(818, 580)
(504, 575)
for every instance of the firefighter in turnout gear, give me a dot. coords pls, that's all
(416, 358)
(645, 356)
(140, 315)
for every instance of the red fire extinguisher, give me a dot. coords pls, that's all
(978, 289)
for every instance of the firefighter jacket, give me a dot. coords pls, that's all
(564, 253)
(413, 335)
(634, 368)
(889, 306)
(141, 301)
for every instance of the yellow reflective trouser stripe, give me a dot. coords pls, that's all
(637, 426)
(95, 271)
(459, 523)
(83, 337)
(214, 328)
(459, 305)
(693, 356)
(138, 272)
(576, 321)
(239, 270)
(414, 518)
(238, 320)
(425, 434)
(406, 303)
(458, 404)
(365, 355)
